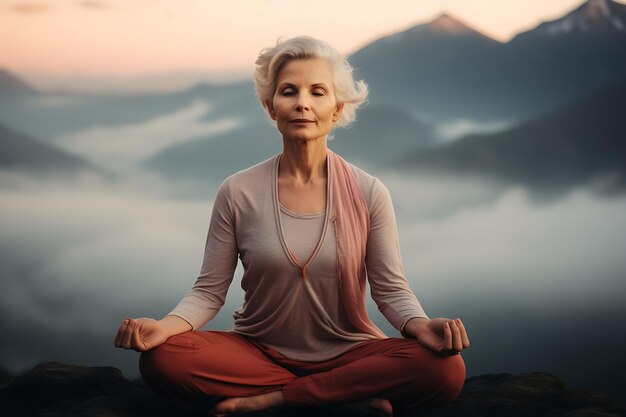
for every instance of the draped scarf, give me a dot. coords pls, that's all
(350, 217)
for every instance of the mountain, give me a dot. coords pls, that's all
(574, 145)
(446, 70)
(11, 85)
(565, 59)
(20, 152)
(50, 116)
(379, 136)
(443, 26)
(592, 18)
(214, 158)
(432, 68)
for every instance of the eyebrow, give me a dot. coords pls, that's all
(312, 85)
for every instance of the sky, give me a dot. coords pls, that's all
(126, 38)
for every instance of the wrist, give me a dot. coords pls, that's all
(174, 325)
(411, 328)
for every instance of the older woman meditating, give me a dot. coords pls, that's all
(309, 228)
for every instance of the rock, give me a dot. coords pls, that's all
(535, 394)
(55, 389)
(5, 377)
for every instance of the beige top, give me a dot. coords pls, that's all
(302, 318)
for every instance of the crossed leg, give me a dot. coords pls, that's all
(218, 364)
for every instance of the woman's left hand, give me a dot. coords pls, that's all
(441, 335)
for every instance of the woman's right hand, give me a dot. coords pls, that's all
(140, 334)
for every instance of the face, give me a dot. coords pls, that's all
(304, 105)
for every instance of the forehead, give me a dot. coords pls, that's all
(308, 71)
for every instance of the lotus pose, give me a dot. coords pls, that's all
(310, 229)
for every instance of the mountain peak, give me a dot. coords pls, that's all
(592, 16)
(447, 25)
(444, 23)
(597, 9)
(599, 14)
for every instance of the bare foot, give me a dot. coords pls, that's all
(239, 405)
(379, 407)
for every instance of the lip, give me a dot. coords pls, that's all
(301, 121)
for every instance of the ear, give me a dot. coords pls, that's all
(270, 109)
(337, 112)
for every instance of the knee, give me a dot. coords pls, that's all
(441, 377)
(155, 367)
(434, 379)
(451, 377)
(162, 370)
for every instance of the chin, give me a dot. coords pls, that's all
(307, 138)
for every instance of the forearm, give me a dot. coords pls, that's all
(412, 327)
(174, 325)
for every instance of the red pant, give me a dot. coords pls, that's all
(200, 364)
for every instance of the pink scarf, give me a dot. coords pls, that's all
(350, 217)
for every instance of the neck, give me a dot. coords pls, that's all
(303, 161)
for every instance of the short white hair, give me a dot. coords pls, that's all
(347, 92)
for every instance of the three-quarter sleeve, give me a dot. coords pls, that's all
(208, 294)
(389, 287)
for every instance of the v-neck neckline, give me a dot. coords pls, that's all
(279, 223)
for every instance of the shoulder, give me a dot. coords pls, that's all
(249, 179)
(371, 186)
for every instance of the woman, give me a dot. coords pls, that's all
(308, 228)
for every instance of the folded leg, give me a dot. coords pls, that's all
(400, 370)
(197, 364)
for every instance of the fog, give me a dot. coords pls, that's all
(122, 147)
(451, 130)
(524, 276)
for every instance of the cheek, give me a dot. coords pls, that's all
(279, 105)
(330, 111)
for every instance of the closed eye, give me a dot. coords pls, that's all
(320, 87)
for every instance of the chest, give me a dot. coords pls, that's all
(303, 198)
(272, 253)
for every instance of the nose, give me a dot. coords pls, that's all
(302, 103)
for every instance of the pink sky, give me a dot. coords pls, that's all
(130, 37)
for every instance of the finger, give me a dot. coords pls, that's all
(128, 334)
(457, 344)
(464, 338)
(120, 333)
(137, 344)
(447, 336)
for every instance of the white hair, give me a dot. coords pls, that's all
(347, 92)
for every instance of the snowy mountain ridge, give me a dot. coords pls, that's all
(592, 16)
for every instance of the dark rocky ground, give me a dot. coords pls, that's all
(55, 389)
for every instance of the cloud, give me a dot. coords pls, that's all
(455, 129)
(41, 7)
(565, 253)
(98, 250)
(32, 7)
(121, 147)
(94, 5)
